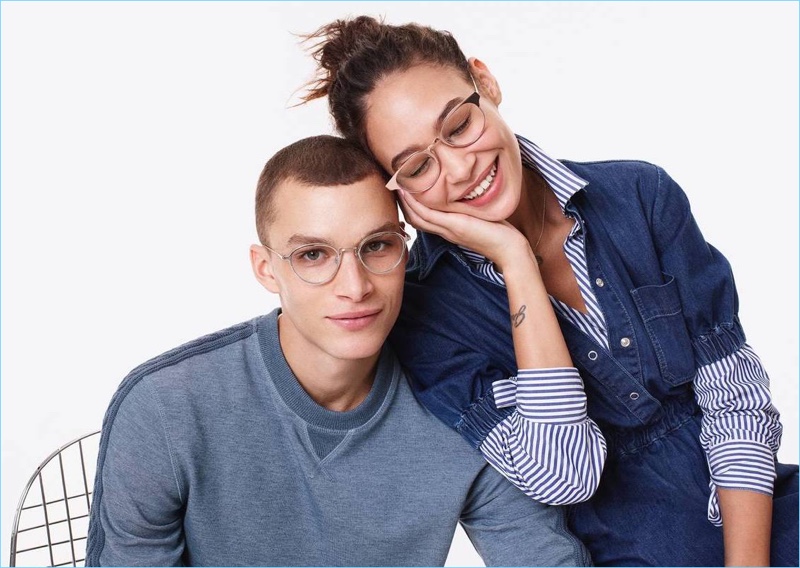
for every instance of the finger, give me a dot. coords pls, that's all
(423, 213)
(425, 219)
(415, 212)
(455, 227)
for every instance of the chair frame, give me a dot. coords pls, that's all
(87, 485)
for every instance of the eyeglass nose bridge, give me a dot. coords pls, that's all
(429, 151)
(340, 255)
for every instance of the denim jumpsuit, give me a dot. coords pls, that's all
(672, 297)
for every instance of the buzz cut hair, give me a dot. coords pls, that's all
(317, 161)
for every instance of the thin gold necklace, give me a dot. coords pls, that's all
(539, 258)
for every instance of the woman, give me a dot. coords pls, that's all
(514, 245)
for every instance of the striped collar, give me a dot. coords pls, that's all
(564, 183)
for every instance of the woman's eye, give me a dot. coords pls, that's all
(419, 169)
(460, 129)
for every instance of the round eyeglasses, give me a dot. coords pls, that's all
(462, 126)
(318, 263)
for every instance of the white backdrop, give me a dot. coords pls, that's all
(133, 134)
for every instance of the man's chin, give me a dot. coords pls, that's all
(359, 349)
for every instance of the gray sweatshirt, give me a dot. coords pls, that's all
(213, 454)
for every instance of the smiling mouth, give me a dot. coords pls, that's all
(481, 188)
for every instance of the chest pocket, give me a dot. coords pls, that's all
(660, 309)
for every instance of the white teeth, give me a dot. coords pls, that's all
(483, 186)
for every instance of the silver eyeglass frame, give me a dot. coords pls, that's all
(340, 252)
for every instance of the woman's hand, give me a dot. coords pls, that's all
(499, 241)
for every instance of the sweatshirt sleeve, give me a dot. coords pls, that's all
(136, 515)
(509, 529)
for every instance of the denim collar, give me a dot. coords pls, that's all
(428, 248)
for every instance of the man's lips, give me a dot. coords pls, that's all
(355, 320)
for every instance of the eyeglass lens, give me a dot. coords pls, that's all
(318, 263)
(460, 128)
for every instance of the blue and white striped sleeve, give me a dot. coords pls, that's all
(548, 447)
(741, 429)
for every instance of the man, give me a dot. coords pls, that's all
(293, 438)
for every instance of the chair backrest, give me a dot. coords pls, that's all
(52, 518)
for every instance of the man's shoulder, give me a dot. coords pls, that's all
(207, 346)
(190, 369)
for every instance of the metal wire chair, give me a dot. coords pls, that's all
(51, 523)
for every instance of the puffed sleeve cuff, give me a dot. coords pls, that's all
(548, 447)
(739, 464)
(722, 341)
(553, 396)
(557, 464)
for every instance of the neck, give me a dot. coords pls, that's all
(527, 218)
(335, 384)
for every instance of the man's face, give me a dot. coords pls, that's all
(349, 317)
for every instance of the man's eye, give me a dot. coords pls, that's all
(375, 246)
(311, 256)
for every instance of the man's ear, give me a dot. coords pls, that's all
(487, 84)
(261, 261)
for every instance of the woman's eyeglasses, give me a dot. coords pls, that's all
(463, 126)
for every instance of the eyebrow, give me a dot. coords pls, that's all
(451, 104)
(298, 240)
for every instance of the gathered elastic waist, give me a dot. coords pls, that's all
(676, 413)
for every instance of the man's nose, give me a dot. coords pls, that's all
(353, 279)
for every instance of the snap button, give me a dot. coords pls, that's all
(592, 355)
(634, 395)
(600, 282)
(625, 342)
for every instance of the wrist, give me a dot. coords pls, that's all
(516, 257)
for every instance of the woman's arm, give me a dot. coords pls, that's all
(746, 527)
(741, 429)
(538, 342)
(740, 433)
(548, 447)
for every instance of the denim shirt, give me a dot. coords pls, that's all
(664, 289)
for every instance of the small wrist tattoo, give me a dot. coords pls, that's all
(519, 317)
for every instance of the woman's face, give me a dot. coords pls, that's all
(403, 116)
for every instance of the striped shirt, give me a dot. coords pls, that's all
(555, 452)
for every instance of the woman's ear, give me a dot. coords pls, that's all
(487, 84)
(261, 262)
